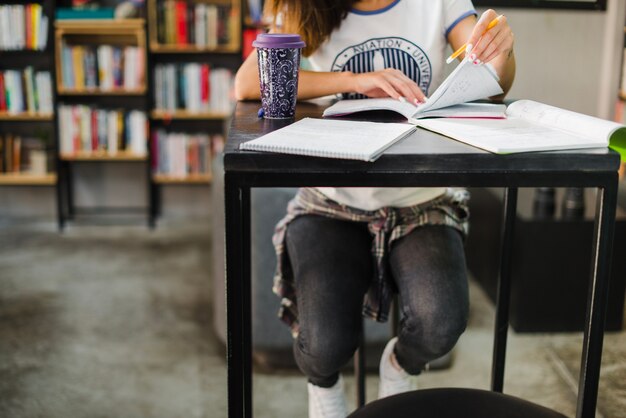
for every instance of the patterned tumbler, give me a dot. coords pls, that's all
(279, 63)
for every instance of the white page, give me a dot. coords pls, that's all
(345, 107)
(509, 135)
(576, 123)
(466, 83)
(466, 110)
(331, 138)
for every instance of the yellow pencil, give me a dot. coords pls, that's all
(459, 51)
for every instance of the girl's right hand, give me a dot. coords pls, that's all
(388, 83)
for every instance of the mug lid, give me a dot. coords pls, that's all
(278, 40)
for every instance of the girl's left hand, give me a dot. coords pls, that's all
(485, 45)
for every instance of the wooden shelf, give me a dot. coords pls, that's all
(191, 49)
(103, 156)
(186, 115)
(96, 26)
(27, 117)
(99, 92)
(26, 179)
(190, 179)
(23, 51)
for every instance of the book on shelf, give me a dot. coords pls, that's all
(193, 87)
(24, 27)
(180, 155)
(203, 25)
(90, 130)
(104, 67)
(26, 91)
(71, 13)
(24, 154)
(248, 36)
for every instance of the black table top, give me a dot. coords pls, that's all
(421, 152)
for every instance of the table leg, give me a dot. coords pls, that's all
(359, 371)
(504, 290)
(597, 300)
(238, 309)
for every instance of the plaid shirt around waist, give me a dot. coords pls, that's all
(386, 225)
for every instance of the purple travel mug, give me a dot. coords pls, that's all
(279, 63)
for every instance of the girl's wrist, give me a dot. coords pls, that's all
(347, 81)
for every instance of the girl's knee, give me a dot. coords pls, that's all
(323, 355)
(434, 335)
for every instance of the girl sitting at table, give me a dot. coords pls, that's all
(344, 252)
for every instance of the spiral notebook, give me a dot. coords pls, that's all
(352, 140)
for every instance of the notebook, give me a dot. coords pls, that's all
(353, 140)
(466, 83)
(532, 126)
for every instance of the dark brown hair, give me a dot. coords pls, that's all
(314, 20)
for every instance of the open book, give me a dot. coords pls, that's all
(332, 139)
(466, 83)
(532, 126)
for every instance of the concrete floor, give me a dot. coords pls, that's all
(106, 321)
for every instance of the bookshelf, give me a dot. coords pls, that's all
(101, 116)
(187, 48)
(114, 43)
(27, 95)
(78, 84)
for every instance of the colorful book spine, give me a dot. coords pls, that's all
(199, 24)
(24, 27)
(181, 23)
(79, 67)
(192, 87)
(26, 91)
(104, 67)
(3, 99)
(87, 130)
(28, 155)
(181, 155)
(64, 13)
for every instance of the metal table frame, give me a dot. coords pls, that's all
(427, 167)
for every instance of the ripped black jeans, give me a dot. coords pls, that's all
(333, 266)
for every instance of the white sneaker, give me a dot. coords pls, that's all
(392, 380)
(327, 402)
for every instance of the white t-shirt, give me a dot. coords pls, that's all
(410, 35)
